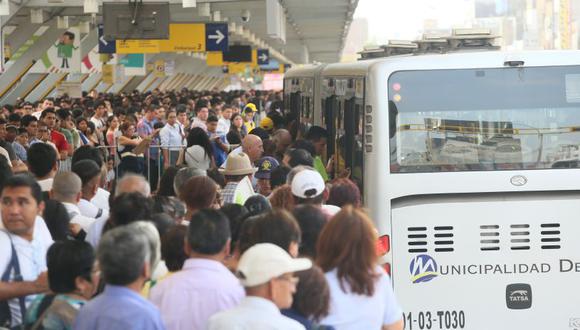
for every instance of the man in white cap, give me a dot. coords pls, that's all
(238, 166)
(308, 187)
(266, 272)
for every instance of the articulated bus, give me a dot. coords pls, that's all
(468, 163)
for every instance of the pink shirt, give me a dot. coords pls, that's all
(188, 298)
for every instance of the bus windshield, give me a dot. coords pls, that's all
(484, 119)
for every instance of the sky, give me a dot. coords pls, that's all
(403, 19)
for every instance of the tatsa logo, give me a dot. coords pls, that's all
(423, 268)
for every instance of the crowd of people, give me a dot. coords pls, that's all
(181, 210)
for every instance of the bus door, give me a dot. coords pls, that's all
(343, 119)
(306, 105)
(354, 129)
(329, 104)
(295, 106)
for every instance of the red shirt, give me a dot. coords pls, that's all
(59, 141)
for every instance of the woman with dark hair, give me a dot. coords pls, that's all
(111, 135)
(73, 282)
(360, 290)
(199, 152)
(83, 129)
(312, 299)
(91, 134)
(172, 251)
(126, 143)
(344, 192)
(311, 220)
(165, 187)
(237, 130)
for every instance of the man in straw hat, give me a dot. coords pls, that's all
(267, 273)
(238, 167)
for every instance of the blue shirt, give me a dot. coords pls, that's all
(144, 129)
(19, 150)
(219, 154)
(119, 308)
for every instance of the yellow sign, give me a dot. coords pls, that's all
(138, 46)
(237, 67)
(214, 59)
(108, 73)
(184, 38)
(254, 58)
(159, 69)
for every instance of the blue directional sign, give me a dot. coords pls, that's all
(106, 46)
(263, 56)
(216, 37)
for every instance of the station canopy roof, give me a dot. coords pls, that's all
(315, 29)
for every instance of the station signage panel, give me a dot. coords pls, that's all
(216, 35)
(263, 56)
(183, 37)
(106, 46)
(138, 46)
(214, 59)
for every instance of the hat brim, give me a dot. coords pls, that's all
(299, 264)
(296, 265)
(243, 171)
(262, 175)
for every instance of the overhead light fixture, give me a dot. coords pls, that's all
(36, 16)
(4, 8)
(204, 9)
(217, 16)
(189, 3)
(62, 22)
(91, 7)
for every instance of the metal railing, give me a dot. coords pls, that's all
(153, 167)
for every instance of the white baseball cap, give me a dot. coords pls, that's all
(307, 184)
(265, 261)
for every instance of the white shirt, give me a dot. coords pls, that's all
(40, 231)
(4, 152)
(31, 258)
(46, 184)
(171, 137)
(354, 311)
(95, 232)
(195, 156)
(90, 210)
(223, 126)
(99, 123)
(101, 199)
(198, 123)
(253, 313)
(76, 216)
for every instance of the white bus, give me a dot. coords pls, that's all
(468, 163)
